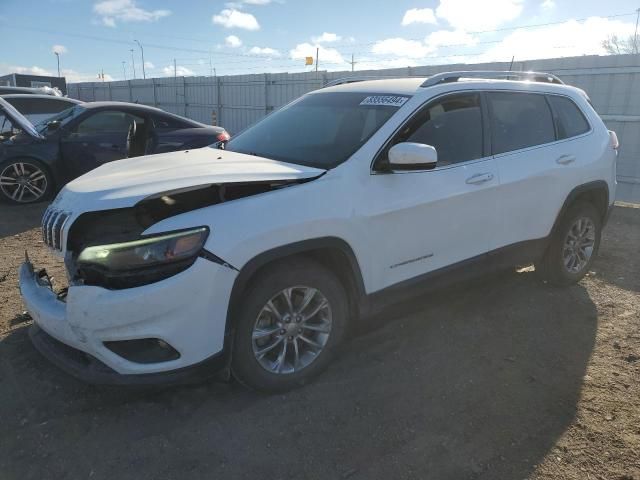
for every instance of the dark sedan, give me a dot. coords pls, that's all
(37, 160)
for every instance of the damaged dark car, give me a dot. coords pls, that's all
(37, 160)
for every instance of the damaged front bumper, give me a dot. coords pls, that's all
(186, 311)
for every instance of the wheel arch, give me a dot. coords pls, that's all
(596, 193)
(332, 252)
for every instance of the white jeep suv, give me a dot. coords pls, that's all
(253, 260)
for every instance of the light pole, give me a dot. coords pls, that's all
(144, 75)
(58, 58)
(133, 64)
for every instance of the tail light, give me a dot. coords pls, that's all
(223, 137)
(613, 140)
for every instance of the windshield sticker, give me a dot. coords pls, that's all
(385, 100)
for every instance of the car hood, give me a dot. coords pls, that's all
(19, 119)
(124, 183)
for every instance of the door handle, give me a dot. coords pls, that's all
(565, 159)
(479, 178)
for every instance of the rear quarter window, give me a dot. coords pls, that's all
(519, 120)
(160, 121)
(570, 121)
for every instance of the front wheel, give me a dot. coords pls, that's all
(24, 181)
(293, 317)
(573, 246)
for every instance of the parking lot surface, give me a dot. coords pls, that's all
(502, 378)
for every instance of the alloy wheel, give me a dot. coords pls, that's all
(291, 330)
(23, 182)
(579, 244)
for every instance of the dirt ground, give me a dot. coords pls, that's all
(503, 378)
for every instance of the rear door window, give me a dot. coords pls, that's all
(570, 121)
(107, 122)
(519, 120)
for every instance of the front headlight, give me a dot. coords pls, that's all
(140, 261)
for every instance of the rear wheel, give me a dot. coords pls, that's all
(293, 317)
(573, 246)
(24, 181)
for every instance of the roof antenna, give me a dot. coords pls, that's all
(511, 64)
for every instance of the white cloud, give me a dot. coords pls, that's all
(548, 4)
(233, 41)
(242, 3)
(328, 56)
(443, 38)
(476, 15)
(567, 39)
(149, 65)
(419, 15)
(180, 71)
(125, 11)
(326, 37)
(230, 18)
(34, 70)
(401, 47)
(59, 49)
(264, 51)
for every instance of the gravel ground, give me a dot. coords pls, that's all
(503, 378)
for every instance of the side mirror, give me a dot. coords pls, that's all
(52, 126)
(412, 156)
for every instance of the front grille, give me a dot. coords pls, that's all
(53, 223)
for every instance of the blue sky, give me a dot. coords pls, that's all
(255, 36)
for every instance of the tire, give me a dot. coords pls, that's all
(326, 328)
(24, 180)
(554, 266)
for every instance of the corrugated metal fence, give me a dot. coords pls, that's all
(612, 82)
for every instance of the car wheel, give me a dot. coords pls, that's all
(292, 318)
(573, 246)
(24, 181)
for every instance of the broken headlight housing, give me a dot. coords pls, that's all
(139, 262)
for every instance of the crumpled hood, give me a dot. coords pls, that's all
(123, 183)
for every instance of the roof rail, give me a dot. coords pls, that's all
(447, 77)
(362, 78)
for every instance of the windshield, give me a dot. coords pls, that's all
(63, 117)
(321, 130)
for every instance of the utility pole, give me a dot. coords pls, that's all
(144, 74)
(175, 80)
(317, 54)
(124, 71)
(133, 64)
(353, 63)
(635, 35)
(58, 57)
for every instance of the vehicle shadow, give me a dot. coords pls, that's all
(16, 219)
(475, 382)
(615, 265)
